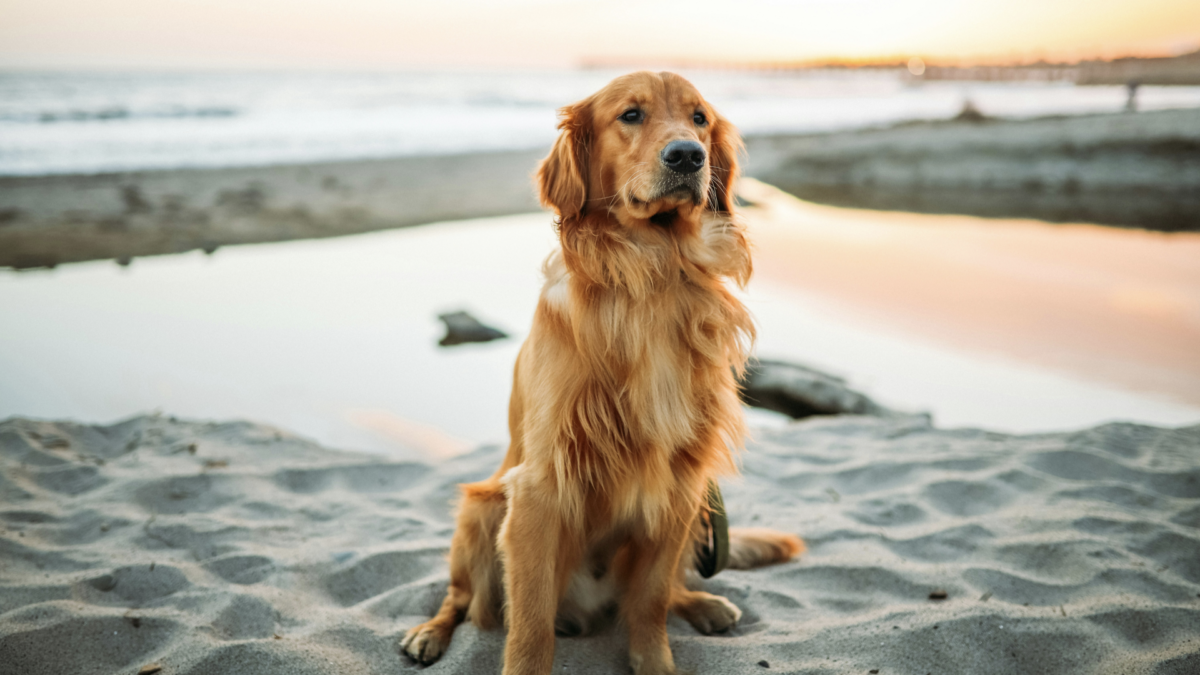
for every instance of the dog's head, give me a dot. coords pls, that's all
(646, 149)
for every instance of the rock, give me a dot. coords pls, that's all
(799, 392)
(970, 113)
(462, 327)
(104, 582)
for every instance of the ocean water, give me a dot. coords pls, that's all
(56, 123)
(336, 339)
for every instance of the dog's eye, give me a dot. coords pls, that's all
(632, 116)
(699, 119)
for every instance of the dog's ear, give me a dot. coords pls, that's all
(562, 177)
(723, 161)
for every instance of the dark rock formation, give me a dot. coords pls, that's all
(462, 327)
(798, 392)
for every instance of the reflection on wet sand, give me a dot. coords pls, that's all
(1121, 306)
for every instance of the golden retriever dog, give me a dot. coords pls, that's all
(625, 399)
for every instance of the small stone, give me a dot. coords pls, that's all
(150, 669)
(104, 582)
(939, 594)
(764, 663)
(462, 327)
(55, 443)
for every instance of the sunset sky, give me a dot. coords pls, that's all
(563, 33)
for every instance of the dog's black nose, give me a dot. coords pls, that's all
(683, 156)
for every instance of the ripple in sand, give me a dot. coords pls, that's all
(968, 498)
(245, 617)
(380, 572)
(242, 569)
(89, 640)
(887, 511)
(133, 585)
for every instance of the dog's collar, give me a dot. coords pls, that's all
(712, 553)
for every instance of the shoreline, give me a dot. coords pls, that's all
(49, 220)
(1138, 170)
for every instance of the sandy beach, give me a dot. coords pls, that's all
(205, 547)
(48, 220)
(1130, 170)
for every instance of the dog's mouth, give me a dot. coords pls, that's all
(665, 218)
(667, 199)
(683, 191)
(671, 188)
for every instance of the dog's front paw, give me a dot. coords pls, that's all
(425, 643)
(653, 664)
(708, 613)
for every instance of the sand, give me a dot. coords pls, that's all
(48, 220)
(1134, 170)
(238, 548)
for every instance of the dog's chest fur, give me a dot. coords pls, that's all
(655, 406)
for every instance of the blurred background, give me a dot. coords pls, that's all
(986, 211)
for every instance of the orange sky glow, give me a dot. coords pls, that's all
(564, 33)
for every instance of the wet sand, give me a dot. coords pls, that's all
(50, 220)
(1131, 170)
(1121, 306)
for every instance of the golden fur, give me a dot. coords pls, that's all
(624, 401)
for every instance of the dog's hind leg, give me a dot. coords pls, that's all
(748, 548)
(474, 575)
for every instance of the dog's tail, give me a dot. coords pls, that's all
(751, 547)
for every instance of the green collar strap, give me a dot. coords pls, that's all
(712, 553)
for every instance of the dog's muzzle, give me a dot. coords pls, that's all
(681, 174)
